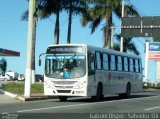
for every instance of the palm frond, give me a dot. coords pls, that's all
(24, 16)
(95, 24)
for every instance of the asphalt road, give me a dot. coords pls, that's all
(146, 104)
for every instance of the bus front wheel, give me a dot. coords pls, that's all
(63, 98)
(99, 94)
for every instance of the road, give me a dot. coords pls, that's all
(146, 103)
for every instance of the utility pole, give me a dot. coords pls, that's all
(121, 48)
(146, 63)
(34, 42)
(28, 74)
(112, 36)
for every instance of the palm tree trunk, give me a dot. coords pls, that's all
(107, 42)
(56, 31)
(69, 24)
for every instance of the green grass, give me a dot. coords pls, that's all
(18, 88)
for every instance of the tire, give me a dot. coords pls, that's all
(128, 91)
(127, 94)
(99, 94)
(63, 98)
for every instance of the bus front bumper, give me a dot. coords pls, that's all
(65, 92)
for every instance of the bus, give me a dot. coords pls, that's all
(88, 71)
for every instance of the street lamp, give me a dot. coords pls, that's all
(121, 48)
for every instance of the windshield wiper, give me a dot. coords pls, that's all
(56, 57)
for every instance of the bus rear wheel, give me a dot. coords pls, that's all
(63, 98)
(128, 92)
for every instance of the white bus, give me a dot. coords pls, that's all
(83, 70)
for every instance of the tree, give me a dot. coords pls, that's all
(3, 65)
(73, 7)
(129, 45)
(102, 10)
(45, 8)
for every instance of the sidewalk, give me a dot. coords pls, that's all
(7, 99)
(6, 96)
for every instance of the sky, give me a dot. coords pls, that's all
(14, 31)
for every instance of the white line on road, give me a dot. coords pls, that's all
(51, 108)
(152, 108)
(86, 104)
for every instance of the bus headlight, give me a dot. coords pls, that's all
(49, 84)
(78, 86)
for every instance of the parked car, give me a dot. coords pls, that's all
(21, 77)
(14, 75)
(6, 77)
(38, 78)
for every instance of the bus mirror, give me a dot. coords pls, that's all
(40, 58)
(39, 62)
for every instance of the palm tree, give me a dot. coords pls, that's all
(73, 7)
(102, 10)
(45, 8)
(129, 45)
(3, 65)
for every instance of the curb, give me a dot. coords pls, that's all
(8, 93)
(34, 98)
(22, 98)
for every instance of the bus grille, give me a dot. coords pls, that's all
(63, 86)
(63, 91)
(64, 82)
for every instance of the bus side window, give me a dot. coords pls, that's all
(125, 63)
(112, 62)
(136, 66)
(119, 63)
(140, 65)
(131, 65)
(105, 63)
(98, 61)
(91, 63)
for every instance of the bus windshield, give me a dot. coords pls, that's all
(65, 66)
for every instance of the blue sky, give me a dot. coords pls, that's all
(13, 32)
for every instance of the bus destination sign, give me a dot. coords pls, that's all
(66, 49)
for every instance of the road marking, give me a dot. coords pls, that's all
(86, 104)
(152, 108)
(53, 107)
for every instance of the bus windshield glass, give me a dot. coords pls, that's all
(65, 66)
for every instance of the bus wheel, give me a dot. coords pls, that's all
(63, 98)
(128, 92)
(99, 94)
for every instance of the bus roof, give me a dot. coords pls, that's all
(110, 51)
(94, 48)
